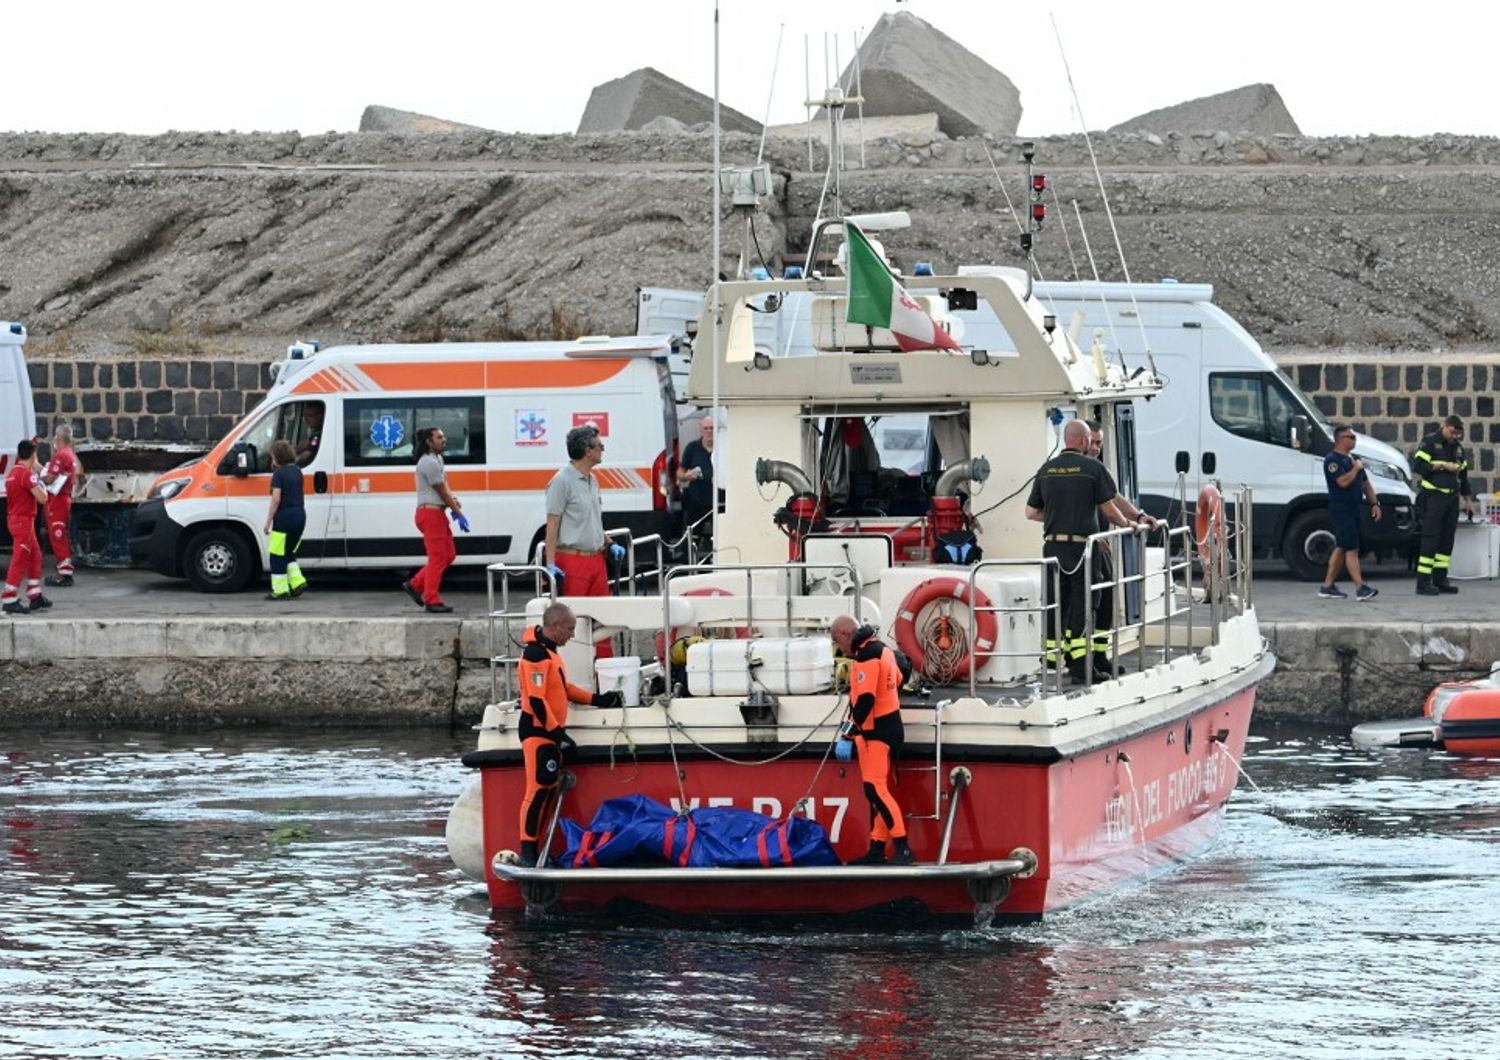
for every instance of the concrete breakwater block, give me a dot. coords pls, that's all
(1252, 109)
(632, 102)
(908, 67)
(390, 120)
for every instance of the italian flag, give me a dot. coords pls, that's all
(875, 298)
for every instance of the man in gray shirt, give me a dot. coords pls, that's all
(433, 496)
(575, 542)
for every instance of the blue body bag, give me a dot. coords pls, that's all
(635, 830)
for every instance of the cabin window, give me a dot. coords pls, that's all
(382, 432)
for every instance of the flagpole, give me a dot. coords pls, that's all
(718, 309)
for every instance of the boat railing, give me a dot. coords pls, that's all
(505, 625)
(1048, 609)
(1105, 570)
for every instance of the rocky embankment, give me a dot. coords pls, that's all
(208, 244)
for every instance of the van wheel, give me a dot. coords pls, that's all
(1308, 544)
(218, 560)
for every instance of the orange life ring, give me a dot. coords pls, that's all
(1208, 522)
(741, 632)
(936, 589)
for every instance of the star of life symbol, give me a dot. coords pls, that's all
(386, 432)
(533, 426)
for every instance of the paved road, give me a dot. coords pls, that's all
(1279, 598)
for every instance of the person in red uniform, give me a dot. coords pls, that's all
(545, 695)
(24, 496)
(63, 466)
(875, 713)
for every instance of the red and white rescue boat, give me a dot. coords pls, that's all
(1023, 791)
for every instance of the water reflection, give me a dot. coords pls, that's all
(261, 893)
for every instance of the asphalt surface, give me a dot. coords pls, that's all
(140, 594)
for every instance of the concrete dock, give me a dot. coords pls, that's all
(131, 648)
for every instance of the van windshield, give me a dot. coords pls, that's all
(1306, 407)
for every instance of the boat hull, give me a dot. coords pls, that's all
(1094, 819)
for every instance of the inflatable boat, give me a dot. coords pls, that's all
(1458, 716)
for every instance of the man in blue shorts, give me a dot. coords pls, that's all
(1348, 488)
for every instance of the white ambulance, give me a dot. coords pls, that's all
(352, 414)
(17, 415)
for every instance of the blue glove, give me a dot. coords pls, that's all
(617, 553)
(557, 576)
(461, 519)
(844, 750)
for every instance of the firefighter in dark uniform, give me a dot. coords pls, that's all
(1066, 494)
(875, 713)
(1445, 488)
(545, 695)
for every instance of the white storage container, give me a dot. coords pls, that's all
(1476, 551)
(795, 666)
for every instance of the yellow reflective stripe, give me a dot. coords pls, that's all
(1422, 454)
(277, 543)
(1429, 486)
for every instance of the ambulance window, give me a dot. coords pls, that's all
(382, 432)
(296, 422)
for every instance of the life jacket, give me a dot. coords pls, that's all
(874, 678)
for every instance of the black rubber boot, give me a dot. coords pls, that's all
(902, 855)
(1440, 580)
(1425, 586)
(528, 854)
(1104, 667)
(874, 856)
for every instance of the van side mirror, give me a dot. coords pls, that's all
(239, 461)
(1300, 432)
(1184, 462)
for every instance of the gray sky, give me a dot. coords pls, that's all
(155, 65)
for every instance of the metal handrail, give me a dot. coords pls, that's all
(501, 664)
(1112, 539)
(1050, 579)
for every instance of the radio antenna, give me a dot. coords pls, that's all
(765, 124)
(1104, 196)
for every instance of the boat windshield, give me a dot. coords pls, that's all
(887, 464)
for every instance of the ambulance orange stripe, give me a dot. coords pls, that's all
(347, 483)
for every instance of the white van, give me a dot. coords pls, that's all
(17, 412)
(506, 409)
(1227, 412)
(1230, 413)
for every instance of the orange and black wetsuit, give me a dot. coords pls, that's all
(545, 695)
(875, 704)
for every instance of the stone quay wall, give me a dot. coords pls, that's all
(192, 671)
(1397, 398)
(145, 400)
